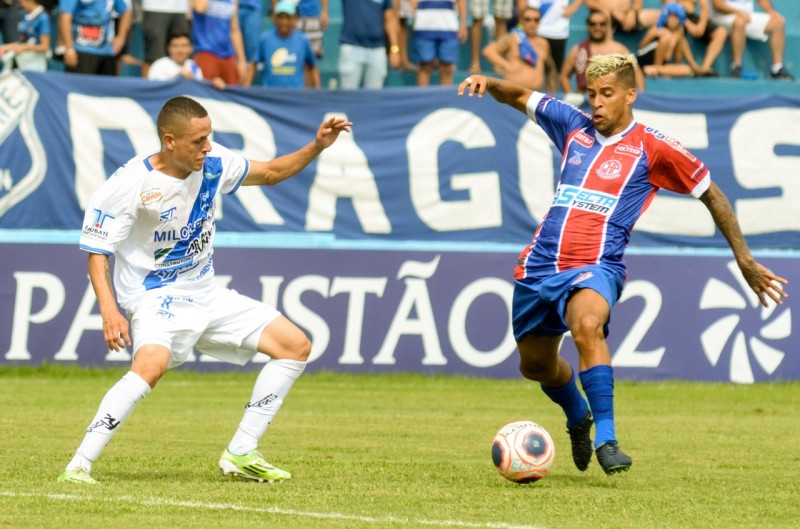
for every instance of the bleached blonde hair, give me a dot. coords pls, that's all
(622, 64)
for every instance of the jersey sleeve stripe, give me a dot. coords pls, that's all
(244, 175)
(92, 249)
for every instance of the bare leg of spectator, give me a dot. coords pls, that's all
(475, 40)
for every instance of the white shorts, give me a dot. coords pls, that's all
(216, 321)
(754, 30)
(502, 8)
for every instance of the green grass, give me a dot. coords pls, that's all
(395, 451)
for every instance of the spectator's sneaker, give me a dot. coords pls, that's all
(612, 459)
(736, 70)
(77, 475)
(782, 75)
(581, 442)
(252, 465)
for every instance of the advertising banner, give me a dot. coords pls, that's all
(688, 317)
(419, 165)
(394, 249)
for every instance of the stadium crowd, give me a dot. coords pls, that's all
(281, 42)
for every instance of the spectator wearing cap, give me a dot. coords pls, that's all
(669, 53)
(285, 52)
(313, 20)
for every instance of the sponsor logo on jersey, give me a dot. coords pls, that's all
(584, 139)
(198, 245)
(96, 231)
(609, 170)
(584, 199)
(576, 158)
(183, 234)
(629, 150)
(174, 263)
(672, 142)
(211, 175)
(168, 215)
(150, 196)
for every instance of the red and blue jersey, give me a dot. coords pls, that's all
(604, 187)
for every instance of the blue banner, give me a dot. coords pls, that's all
(680, 316)
(420, 164)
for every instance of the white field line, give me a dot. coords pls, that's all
(158, 502)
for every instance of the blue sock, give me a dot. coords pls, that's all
(570, 399)
(598, 384)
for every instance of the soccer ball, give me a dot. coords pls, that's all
(523, 452)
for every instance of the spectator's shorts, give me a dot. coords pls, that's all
(754, 30)
(502, 8)
(430, 49)
(312, 27)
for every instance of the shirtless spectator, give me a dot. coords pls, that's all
(600, 42)
(700, 27)
(628, 16)
(522, 56)
(670, 54)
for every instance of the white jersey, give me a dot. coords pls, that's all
(166, 6)
(160, 228)
(165, 69)
(554, 25)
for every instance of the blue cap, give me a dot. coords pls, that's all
(671, 9)
(285, 7)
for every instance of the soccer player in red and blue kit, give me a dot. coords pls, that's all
(572, 273)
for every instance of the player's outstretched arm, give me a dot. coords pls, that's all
(763, 282)
(115, 325)
(503, 91)
(283, 167)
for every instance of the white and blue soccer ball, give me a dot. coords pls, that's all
(523, 451)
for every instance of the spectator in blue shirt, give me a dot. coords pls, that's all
(286, 53)
(250, 19)
(86, 29)
(366, 26)
(32, 49)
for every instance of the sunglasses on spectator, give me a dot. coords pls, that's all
(598, 24)
(531, 19)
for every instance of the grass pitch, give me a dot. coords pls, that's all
(384, 451)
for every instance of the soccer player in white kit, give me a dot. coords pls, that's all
(156, 216)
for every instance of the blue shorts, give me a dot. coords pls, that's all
(429, 49)
(539, 303)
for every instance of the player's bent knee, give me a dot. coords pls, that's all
(150, 362)
(537, 371)
(283, 339)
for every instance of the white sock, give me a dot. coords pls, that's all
(114, 409)
(777, 67)
(272, 386)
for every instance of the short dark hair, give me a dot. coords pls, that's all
(178, 34)
(604, 14)
(176, 112)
